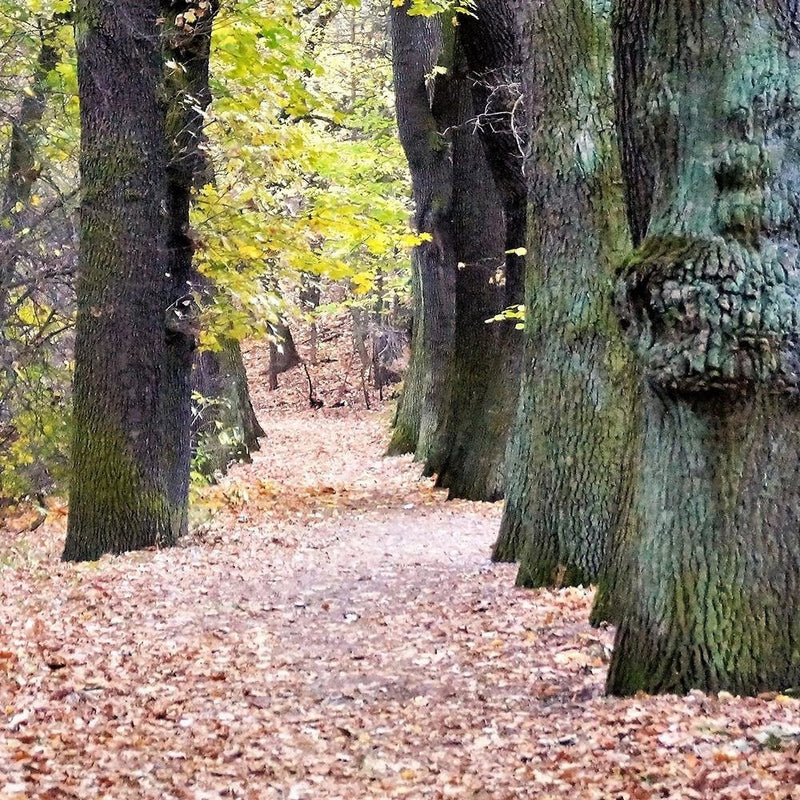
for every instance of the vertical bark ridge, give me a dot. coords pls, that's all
(567, 474)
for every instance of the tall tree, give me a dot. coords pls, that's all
(705, 585)
(461, 384)
(22, 174)
(568, 461)
(121, 495)
(487, 356)
(417, 43)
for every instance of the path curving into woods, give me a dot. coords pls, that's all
(336, 630)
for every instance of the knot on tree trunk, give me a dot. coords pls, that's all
(716, 314)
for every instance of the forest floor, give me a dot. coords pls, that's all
(335, 629)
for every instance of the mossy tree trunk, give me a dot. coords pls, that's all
(704, 587)
(120, 496)
(567, 472)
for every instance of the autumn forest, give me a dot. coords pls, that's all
(399, 398)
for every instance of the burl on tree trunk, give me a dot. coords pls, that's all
(707, 568)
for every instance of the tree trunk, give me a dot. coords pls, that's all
(705, 581)
(461, 384)
(490, 200)
(283, 354)
(418, 42)
(484, 375)
(21, 175)
(564, 490)
(120, 498)
(186, 40)
(227, 429)
(219, 376)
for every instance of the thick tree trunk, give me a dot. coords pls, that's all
(484, 375)
(490, 206)
(575, 415)
(704, 585)
(461, 385)
(120, 498)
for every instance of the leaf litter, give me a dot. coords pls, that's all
(335, 629)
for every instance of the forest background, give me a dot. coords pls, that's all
(303, 216)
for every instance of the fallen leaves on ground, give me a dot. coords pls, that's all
(337, 631)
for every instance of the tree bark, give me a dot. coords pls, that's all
(283, 354)
(484, 376)
(120, 498)
(704, 585)
(490, 200)
(461, 384)
(567, 474)
(417, 45)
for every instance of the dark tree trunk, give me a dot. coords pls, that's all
(121, 498)
(186, 44)
(227, 424)
(484, 374)
(567, 473)
(225, 428)
(490, 207)
(418, 43)
(704, 585)
(461, 384)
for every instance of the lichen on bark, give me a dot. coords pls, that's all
(571, 441)
(703, 579)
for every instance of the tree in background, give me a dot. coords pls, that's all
(704, 585)
(224, 424)
(461, 384)
(37, 252)
(488, 351)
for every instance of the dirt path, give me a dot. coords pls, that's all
(337, 631)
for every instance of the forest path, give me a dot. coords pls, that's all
(337, 631)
